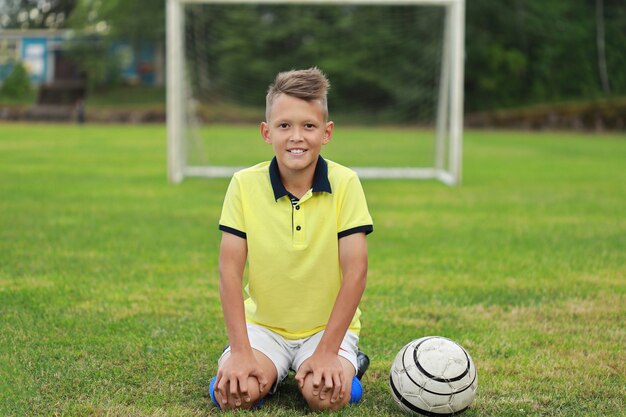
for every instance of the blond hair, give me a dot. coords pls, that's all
(309, 84)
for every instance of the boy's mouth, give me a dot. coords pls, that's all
(296, 151)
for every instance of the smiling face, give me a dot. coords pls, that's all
(296, 129)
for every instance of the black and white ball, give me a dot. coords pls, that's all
(433, 376)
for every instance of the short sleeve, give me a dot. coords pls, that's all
(354, 216)
(232, 218)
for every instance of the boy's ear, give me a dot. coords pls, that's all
(265, 132)
(328, 132)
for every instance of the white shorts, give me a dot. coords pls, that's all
(289, 354)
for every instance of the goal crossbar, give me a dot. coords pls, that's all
(449, 123)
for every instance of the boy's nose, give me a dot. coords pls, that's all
(297, 135)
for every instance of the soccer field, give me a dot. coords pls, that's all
(109, 303)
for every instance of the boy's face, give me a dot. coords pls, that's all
(296, 130)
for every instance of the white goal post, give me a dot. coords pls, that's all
(447, 163)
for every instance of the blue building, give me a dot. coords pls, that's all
(42, 53)
(35, 49)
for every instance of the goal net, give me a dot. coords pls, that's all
(395, 68)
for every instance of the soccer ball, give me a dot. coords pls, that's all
(433, 376)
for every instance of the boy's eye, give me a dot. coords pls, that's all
(309, 125)
(283, 125)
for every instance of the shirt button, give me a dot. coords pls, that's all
(298, 228)
(297, 207)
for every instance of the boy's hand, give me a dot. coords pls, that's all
(233, 376)
(328, 378)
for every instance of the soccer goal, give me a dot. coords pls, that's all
(394, 65)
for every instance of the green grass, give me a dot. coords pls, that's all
(108, 275)
(349, 145)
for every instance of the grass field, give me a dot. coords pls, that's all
(108, 275)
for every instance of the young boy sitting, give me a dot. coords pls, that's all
(300, 221)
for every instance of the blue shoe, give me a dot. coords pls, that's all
(356, 393)
(212, 392)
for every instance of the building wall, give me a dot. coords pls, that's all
(36, 49)
(9, 53)
(34, 55)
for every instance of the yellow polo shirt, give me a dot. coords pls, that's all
(294, 273)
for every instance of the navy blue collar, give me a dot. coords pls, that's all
(320, 178)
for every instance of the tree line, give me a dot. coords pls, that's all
(518, 53)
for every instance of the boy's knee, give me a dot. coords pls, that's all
(238, 401)
(316, 403)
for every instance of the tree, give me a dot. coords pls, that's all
(100, 24)
(17, 84)
(537, 51)
(35, 14)
(133, 21)
(362, 49)
(601, 42)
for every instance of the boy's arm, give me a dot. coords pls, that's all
(233, 375)
(324, 364)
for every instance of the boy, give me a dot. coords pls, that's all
(300, 221)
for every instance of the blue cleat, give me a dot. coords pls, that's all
(212, 392)
(356, 393)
